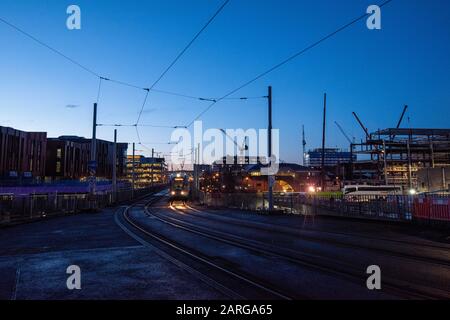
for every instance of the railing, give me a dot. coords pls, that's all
(406, 208)
(60, 187)
(369, 207)
(21, 208)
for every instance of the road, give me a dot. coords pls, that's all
(152, 250)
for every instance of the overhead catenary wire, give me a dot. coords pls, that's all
(139, 125)
(126, 84)
(184, 51)
(147, 148)
(123, 83)
(136, 127)
(58, 52)
(213, 101)
(120, 82)
(49, 47)
(158, 143)
(89, 70)
(179, 94)
(173, 63)
(145, 145)
(245, 98)
(285, 61)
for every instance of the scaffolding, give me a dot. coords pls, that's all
(394, 156)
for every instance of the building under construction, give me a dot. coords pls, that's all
(395, 156)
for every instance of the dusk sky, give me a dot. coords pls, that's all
(372, 72)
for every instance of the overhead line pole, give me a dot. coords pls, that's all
(323, 141)
(114, 172)
(270, 177)
(132, 170)
(151, 168)
(93, 158)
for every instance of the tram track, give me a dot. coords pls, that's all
(291, 232)
(341, 269)
(295, 231)
(220, 277)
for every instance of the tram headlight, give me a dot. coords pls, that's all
(172, 193)
(182, 193)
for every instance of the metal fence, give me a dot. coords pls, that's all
(21, 208)
(370, 207)
(406, 208)
(423, 208)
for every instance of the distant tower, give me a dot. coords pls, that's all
(304, 145)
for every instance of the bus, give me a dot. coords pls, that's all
(368, 190)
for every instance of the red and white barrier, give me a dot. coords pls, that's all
(432, 209)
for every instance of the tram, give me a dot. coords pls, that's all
(179, 188)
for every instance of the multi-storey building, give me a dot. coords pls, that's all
(394, 156)
(22, 154)
(332, 158)
(68, 157)
(147, 171)
(26, 155)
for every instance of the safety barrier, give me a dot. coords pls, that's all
(431, 208)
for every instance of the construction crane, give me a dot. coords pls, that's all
(401, 119)
(303, 144)
(343, 132)
(362, 126)
(242, 148)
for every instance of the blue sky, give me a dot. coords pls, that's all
(371, 72)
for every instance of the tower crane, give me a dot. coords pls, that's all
(343, 132)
